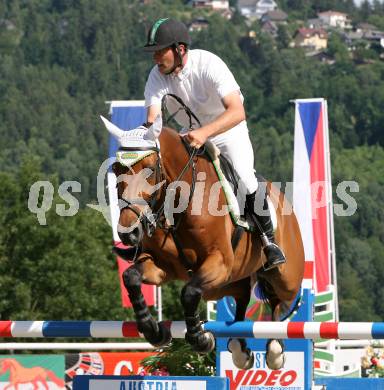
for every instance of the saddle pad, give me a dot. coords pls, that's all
(233, 206)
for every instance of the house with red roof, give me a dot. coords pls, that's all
(311, 38)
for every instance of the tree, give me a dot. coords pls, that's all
(58, 270)
(283, 37)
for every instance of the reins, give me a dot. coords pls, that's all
(187, 110)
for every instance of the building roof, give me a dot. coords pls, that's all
(353, 35)
(315, 22)
(246, 3)
(270, 27)
(310, 32)
(200, 21)
(366, 26)
(276, 15)
(253, 3)
(332, 13)
(322, 57)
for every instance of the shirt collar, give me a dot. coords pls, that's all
(184, 73)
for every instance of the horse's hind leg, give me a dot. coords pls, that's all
(275, 356)
(242, 357)
(155, 333)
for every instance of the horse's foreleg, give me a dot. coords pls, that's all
(211, 274)
(155, 333)
(36, 384)
(200, 340)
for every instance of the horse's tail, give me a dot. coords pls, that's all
(266, 294)
(52, 377)
(264, 290)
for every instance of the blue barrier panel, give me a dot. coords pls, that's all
(351, 383)
(102, 382)
(297, 371)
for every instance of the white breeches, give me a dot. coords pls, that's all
(237, 148)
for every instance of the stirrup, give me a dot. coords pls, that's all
(274, 255)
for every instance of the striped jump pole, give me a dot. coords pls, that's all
(246, 329)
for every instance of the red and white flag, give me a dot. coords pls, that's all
(312, 196)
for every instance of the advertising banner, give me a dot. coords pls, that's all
(150, 383)
(103, 363)
(261, 377)
(32, 372)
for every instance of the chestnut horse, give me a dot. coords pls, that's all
(171, 206)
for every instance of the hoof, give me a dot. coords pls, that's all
(164, 336)
(203, 342)
(275, 357)
(156, 333)
(242, 357)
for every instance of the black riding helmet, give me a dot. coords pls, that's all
(166, 33)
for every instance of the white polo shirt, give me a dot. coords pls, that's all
(201, 84)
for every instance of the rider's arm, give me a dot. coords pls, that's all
(152, 113)
(154, 91)
(220, 80)
(234, 114)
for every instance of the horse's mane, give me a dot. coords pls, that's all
(10, 361)
(171, 145)
(170, 135)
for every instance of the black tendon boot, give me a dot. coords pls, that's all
(273, 253)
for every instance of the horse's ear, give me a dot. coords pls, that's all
(113, 129)
(155, 130)
(116, 168)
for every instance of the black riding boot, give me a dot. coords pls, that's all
(273, 253)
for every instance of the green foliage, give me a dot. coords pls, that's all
(61, 270)
(180, 360)
(360, 237)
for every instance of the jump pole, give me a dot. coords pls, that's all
(246, 329)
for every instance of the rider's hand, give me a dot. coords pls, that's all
(195, 138)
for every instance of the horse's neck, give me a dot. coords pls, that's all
(174, 154)
(14, 365)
